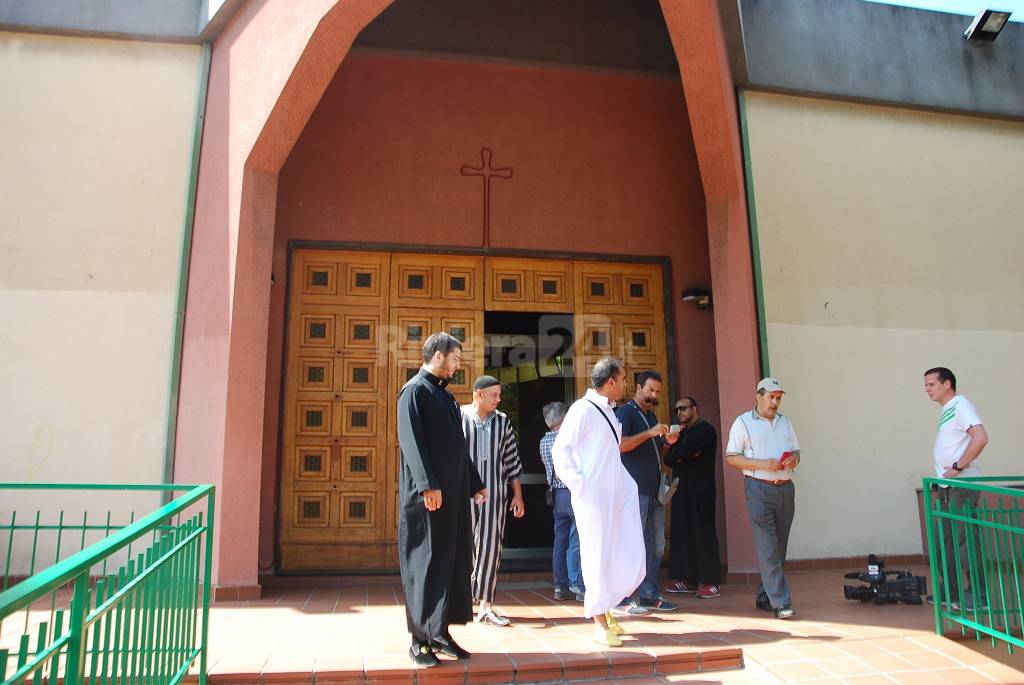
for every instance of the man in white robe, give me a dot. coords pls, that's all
(604, 499)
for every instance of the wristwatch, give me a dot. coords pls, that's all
(956, 467)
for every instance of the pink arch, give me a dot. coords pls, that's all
(270, 67)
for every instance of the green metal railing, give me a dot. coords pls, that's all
(976, 552)
(131, 607)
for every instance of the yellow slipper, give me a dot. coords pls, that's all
(606, 637)
(613, 625)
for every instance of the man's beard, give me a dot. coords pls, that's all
(653, 403)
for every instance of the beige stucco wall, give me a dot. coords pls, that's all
(97, 139)
(891, 241)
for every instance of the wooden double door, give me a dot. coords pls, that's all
(356, 324)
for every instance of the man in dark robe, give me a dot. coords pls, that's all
(694, 556)
(436, 484)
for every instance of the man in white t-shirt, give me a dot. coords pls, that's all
(763, 445)
(958, 442)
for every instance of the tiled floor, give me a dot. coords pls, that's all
(355, 632)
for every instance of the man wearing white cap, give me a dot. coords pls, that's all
(763, 445)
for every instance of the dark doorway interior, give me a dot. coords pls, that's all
(531, 354)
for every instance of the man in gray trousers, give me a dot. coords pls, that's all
(763, 445)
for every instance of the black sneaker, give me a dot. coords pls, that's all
(561, 595)
(422, 655)
(447, 645)
(785, 612)
(763, 603)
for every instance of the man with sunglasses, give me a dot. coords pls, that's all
(694, 560)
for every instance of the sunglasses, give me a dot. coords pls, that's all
(684, 407)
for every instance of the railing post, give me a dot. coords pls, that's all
(207, 582)
(75, 671)
(933, 561)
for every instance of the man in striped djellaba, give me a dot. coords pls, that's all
(492, 449)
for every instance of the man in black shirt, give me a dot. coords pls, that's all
(644, 441)
(693, 556)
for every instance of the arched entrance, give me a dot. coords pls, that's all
(260, 102)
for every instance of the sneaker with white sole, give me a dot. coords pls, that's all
(629, 609)
(491, 618)
(708, 592)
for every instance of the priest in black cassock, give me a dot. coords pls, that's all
(436, 485)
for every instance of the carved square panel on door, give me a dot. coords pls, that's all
(508, 286)
(358, 509)
(638, 338)
(313, 463)
(463, 329)
(361, 331)
(359, 419)
(636, 290)
(458, 284)
(363, 280)
(415, 281)
(317, 330)
(597, 289)
(311, 510)
(550, 287)
(358, 463)
(314, 418)
(461, 382)
(412, 330)
(316, 373)
(359, 375)
(598, 336)
(320, 279)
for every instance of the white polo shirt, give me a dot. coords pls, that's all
(755, 437)
(951, 440)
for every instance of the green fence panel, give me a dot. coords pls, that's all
(975, 548)
(126, 599)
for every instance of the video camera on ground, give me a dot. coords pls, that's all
(906, 587)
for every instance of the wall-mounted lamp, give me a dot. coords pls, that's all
(700, 297)
(986, 26)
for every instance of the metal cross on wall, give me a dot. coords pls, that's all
(487, 172)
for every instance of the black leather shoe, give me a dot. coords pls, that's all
(447, 645)
(763, 603)
(422, 655)
(561, 595)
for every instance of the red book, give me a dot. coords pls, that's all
(784, 457)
